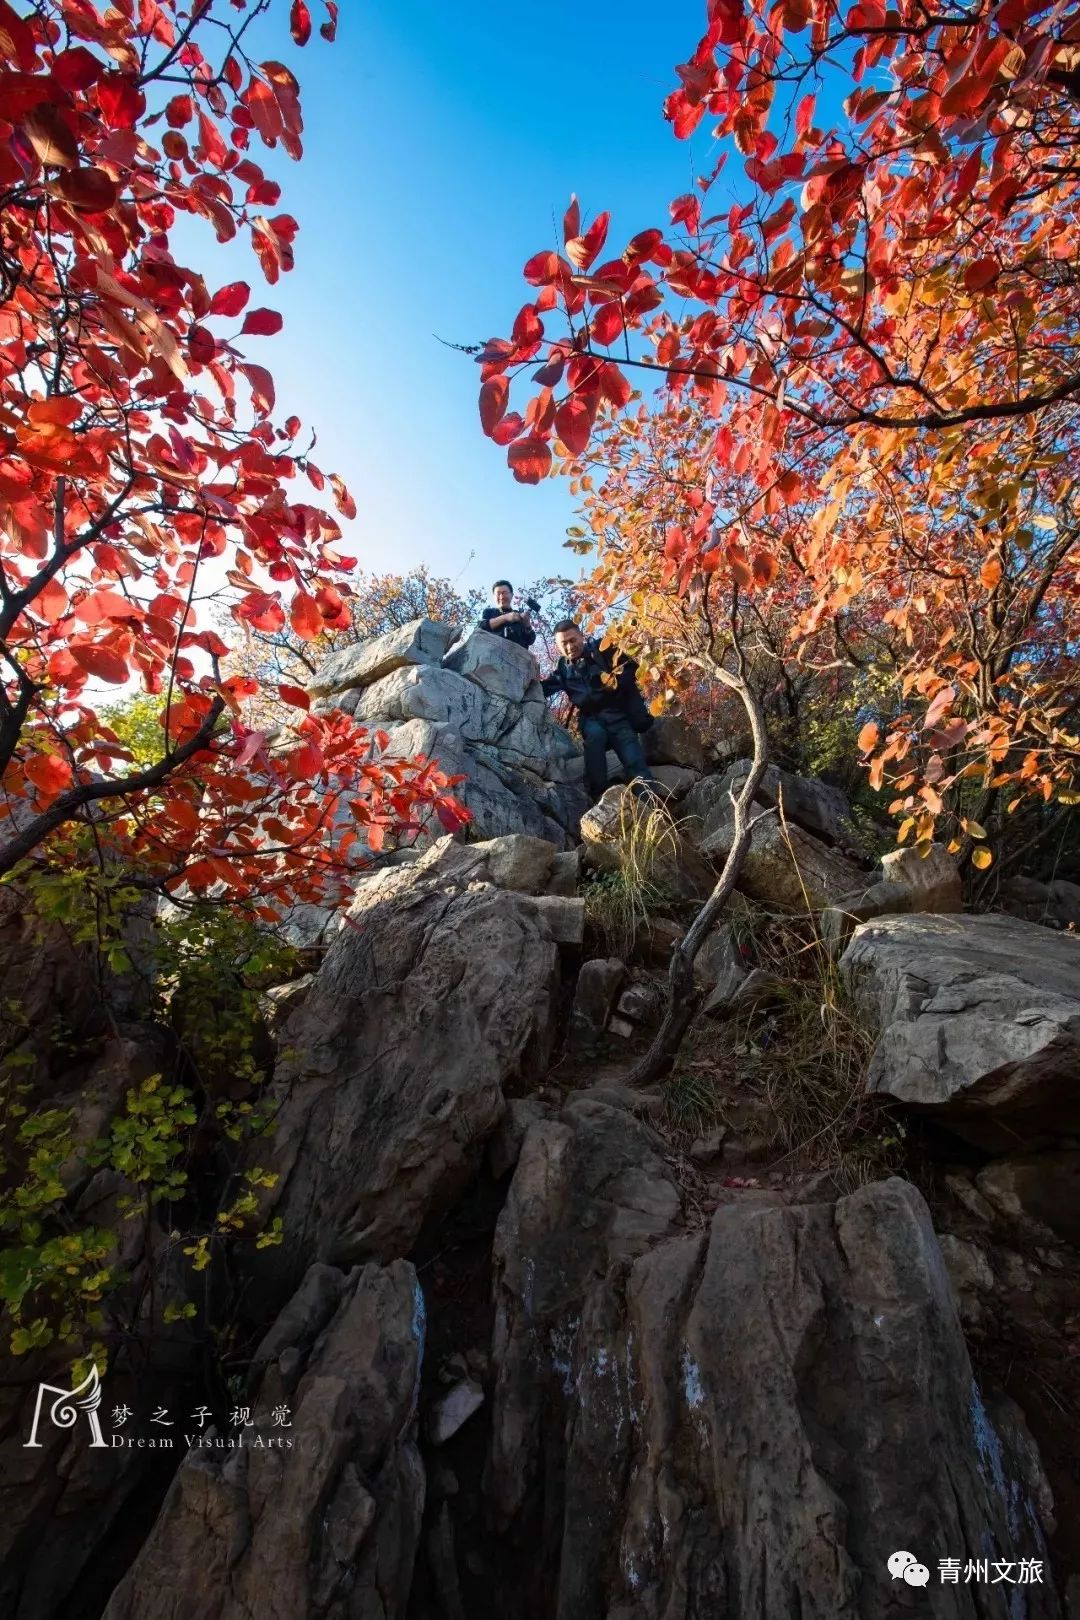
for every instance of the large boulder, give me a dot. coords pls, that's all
(912, 880)
(979, 1021)
(499, 666)
(438, 991)
(421, 642)
(784, 866)
(319, 1516)
(811, 804)
(745, 1420)
(931, 877)
(671, 740)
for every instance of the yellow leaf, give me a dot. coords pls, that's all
(981, 857)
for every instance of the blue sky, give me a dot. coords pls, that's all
(440, 142)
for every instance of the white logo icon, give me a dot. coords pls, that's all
(904, 1565)
(64, 1412)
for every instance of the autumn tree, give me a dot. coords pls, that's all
(142, 468)
(877, 319)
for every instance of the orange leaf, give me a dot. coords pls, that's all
(304, 616)
(868, 736)
(990, 572)
(49, 774)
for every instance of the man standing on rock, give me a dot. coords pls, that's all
(602, 686)
(502, 620)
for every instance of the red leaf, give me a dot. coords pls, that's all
(981, 273)
(529, 460)
(295, 695)
(342, 499)
(262, 323)
(764, 568)
(582, 250)
(607, 324)
(574, 420)
(49, 774)
(305, 762)
(91, 189)
(202, 345)
(528, 328)
(613, 385)
(51, 601)
(101, 663)
(180, 111)
(494, 396)
(262, 388)
(329, 29)
(571, 220)
(542, 269)
(121, 101)
(230, 300)
(508, 429)
(51, 139)
(305, 617)
(74, 69)
(300, 22)
(262, 612)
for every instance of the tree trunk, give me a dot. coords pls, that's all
(682, 999)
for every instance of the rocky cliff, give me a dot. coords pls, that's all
(543, 1350)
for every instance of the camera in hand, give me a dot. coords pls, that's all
(532, 604)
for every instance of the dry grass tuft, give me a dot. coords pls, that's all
(791, 1079)
(620, 902)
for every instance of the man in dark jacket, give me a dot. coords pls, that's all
(612, 710)
(502, 620)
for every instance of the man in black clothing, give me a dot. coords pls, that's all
(502, 620)
(612, 711)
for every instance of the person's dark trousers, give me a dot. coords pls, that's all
(613, 731)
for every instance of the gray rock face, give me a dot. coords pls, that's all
(329, 1527)
(811, 804)
(479, 711)
(421, 692)
(498, 666)
(785, 866)
(421, 642)
(671, 740)
(1040, 1192)
(933, 879)
(598, 984)
(438, 989)
(1056, 904)
(979, 1021)
(746, 1421)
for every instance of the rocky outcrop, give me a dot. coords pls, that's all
(811, 804)
(313, 1520)
(911, 880)
(1055, 904)
(436, 993)
(743, 1420)
(477, 708)
(784, 866)
(979, 1021)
